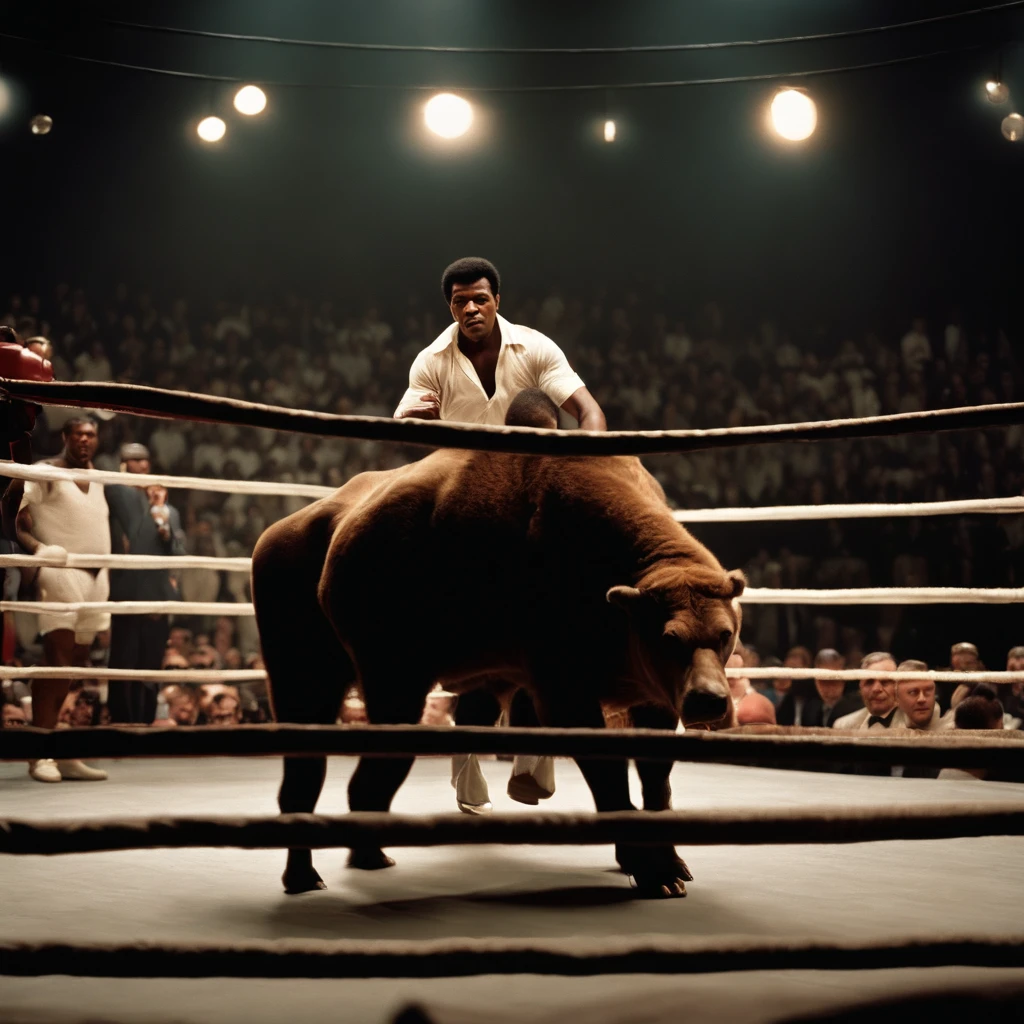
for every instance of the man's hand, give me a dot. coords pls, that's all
(427, 408)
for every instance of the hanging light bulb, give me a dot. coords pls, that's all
(1013, 127)
(609, 131)
(448, 115)
(250, 100)
(996, 91)
(41, 124)
(211, 129)
(794, 115)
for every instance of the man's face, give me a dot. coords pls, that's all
(829, 690)
(1015, 664)
(225, 710)
(136, 465)
(183, 710)
(879, 694)
(916, 699)
(156, 495)
(14, 717)
(475, 308)
(81, 442)
(962, 661)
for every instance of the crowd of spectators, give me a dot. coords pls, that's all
(649, 368)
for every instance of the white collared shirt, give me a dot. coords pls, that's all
(528, 359)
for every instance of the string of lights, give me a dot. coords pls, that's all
(565, 50)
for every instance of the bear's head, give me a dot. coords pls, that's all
(685, 620)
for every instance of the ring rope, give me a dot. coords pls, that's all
(44, 472)
(460, 958)
(1002, 750)
(166, 404)
(753, 595)
(239, 675)
(145, 675)
(729, 827)
(220, 564)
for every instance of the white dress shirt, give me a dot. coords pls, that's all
(528, 359)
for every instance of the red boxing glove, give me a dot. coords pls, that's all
(19, 363)
(18, 419)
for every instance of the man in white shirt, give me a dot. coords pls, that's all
(55, 519)
(915, 701)
(474, 369)
(471, 373)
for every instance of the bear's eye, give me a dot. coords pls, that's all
(726, 637)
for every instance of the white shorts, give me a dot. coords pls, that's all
(73, 585)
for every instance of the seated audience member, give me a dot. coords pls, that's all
(751, 706)
(220, 704)
(182, 703)
(831, 703)
(796, 657)
(981, 709)
(915, 701)
(1013, 695)
(82, 707)
(755, 709)
(963, 657)
(14, 717)
(877, 695)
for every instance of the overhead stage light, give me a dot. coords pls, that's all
(211, 129)
(609, 131)
(996, 91)
(250, 99)
(1013, 127)
(794, 115)
(448, 115)
(41, 124)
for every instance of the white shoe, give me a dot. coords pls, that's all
(44, 770)
(79, 771)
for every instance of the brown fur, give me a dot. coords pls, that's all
(566, 576)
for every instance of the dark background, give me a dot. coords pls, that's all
(905, 197)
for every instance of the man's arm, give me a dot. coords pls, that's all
(422, 399)
(583, 407)
(23, 531)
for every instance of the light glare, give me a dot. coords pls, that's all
(41, 124)
(1013, 127)
(250, 100)
(997, 92)
(794, 115)
(609, 131)
(448, 115)
(211, 129)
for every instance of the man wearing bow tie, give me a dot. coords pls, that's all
(879, 696)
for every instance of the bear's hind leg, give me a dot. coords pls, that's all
(376, 779)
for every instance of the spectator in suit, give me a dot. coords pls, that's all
(138, 527)
(831, 703)
(796, 694)
(877, 695)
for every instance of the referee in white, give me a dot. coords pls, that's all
(470, 374)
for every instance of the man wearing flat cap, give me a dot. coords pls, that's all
(141, 523)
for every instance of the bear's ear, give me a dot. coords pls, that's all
(739, 582)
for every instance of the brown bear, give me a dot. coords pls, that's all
(568, 577)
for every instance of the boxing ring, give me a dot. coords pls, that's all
(821, 890)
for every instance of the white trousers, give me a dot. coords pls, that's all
(471, 786)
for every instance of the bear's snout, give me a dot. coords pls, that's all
(700, 706)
